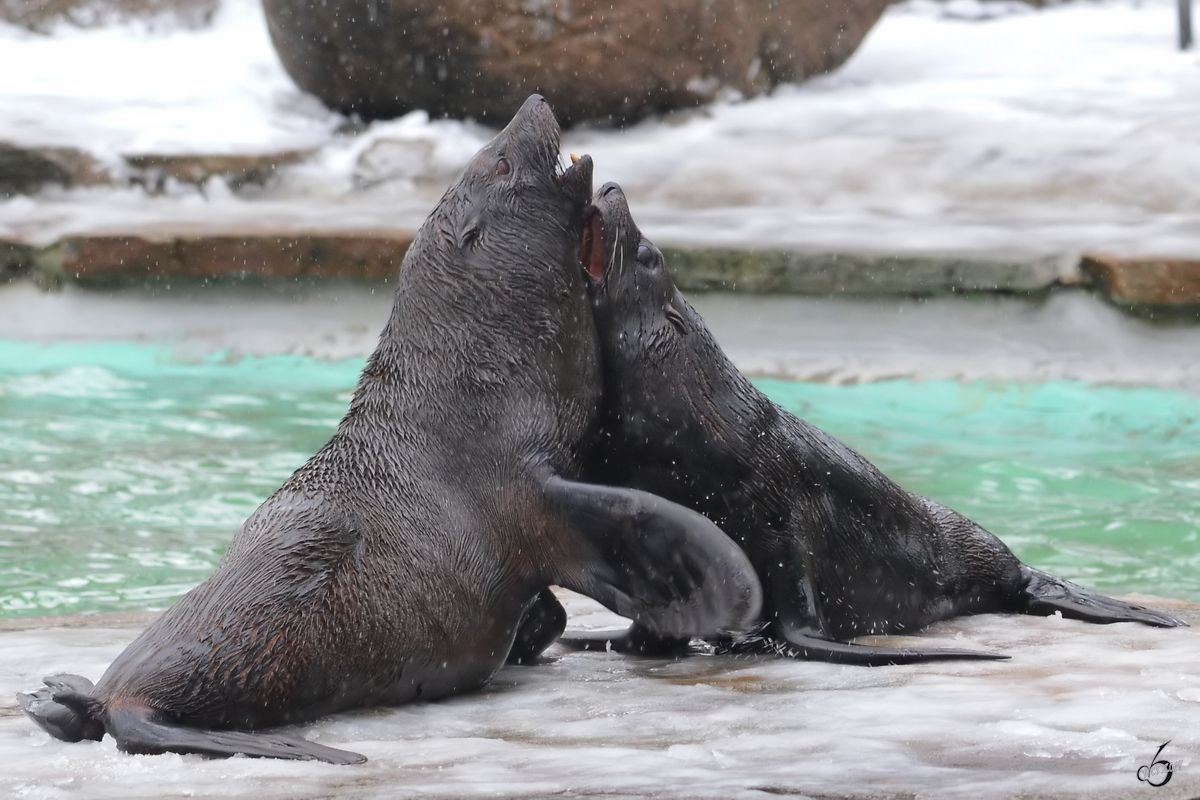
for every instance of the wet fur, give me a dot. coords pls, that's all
(840, 549)
(398, 563)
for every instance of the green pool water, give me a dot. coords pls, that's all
(125, 470)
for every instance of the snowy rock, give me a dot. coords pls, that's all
(377, 255)
(399, 159)
(237, 169)
(591, 58)
(24, 170)
(16, 260)
(1146, 281)
(41, 15)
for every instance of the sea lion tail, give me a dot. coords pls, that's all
(639, 641)
(811, 648)
(1044, 594)
(65, 708)
(634, 640)
(141, 729)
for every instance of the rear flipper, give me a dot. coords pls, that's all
(654, 561)
(1045, 594)
(634, 640)
(64, 708)
(543, 622)
(811, 648)
(140, 729)
(639, 641)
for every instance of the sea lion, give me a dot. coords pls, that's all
(840, 549)
(397, 563)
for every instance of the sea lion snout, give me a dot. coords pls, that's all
(535, 112)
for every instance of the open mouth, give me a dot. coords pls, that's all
(591, 248)
(576, 180)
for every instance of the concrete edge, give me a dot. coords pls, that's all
(1156, 287)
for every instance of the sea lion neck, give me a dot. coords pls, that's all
(663, 370)
(490, 303)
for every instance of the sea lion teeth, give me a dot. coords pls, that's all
(576, 181)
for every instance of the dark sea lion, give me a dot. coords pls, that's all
(840, 549)
(397, 563)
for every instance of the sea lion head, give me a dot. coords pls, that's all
(642, 317)
(659, 359)
(514, 185)
(498, 259)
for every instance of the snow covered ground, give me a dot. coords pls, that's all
(1074, 714)
(958, 126)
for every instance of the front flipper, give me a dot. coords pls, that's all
(1045, 594)
(811, 648)
(142, 730)
(654, 561)
(543, 622)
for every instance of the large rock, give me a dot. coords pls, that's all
(618, 59)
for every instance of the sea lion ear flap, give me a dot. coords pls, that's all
(469, 227)
(662, 565)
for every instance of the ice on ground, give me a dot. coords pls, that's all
(957, 126)
(1074, 714)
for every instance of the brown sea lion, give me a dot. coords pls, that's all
(397, 563)
(840, 549)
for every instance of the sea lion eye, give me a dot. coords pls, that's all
(647, 256)
(503, 167)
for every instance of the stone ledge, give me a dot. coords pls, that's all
(28, 170)
(864, 273)
(125, 258)
(1141, 285)
(24, 170)
(1154, 282)
(16, 260)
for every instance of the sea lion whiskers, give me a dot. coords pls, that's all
(616, 252)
